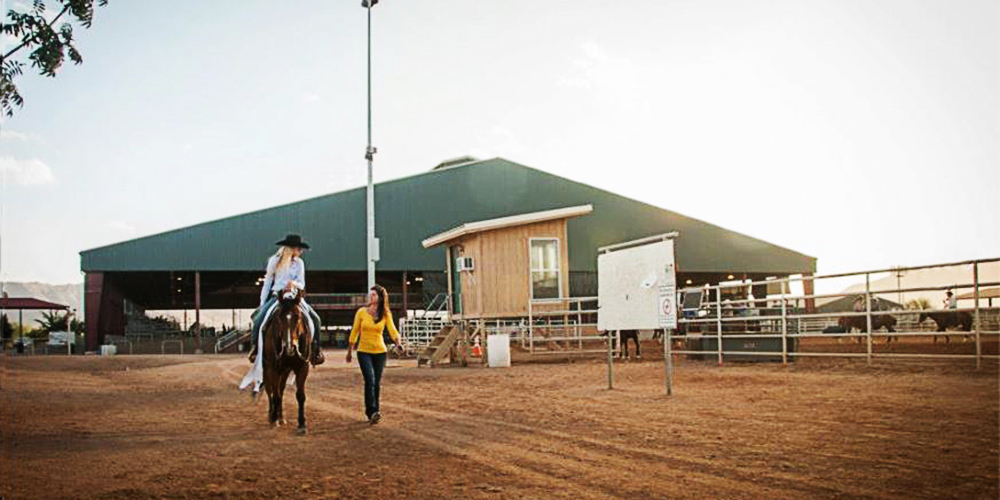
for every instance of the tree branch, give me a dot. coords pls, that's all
(32, 38)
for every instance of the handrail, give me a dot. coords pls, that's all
(229, 339)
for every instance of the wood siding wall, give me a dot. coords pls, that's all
(500, 286)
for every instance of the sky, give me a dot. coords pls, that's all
(865, 134)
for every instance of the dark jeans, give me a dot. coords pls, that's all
(372, 366)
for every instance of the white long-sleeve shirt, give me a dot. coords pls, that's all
(295, 273)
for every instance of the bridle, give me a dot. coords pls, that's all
(288, 347)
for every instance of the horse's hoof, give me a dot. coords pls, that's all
(301, 431)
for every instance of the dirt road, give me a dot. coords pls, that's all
(175, 427)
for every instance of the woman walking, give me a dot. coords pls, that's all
(369, 323)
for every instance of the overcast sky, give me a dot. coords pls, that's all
(866, 134)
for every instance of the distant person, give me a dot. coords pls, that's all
(369, 323)
(285, 270)
(751, 303)
(859, 304)
(950, 300)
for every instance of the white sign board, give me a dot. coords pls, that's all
(636, 288)
(61, 338)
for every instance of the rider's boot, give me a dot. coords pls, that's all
(317, 357)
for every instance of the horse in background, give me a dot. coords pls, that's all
(879, 321)
(679, 337)
(625, 335)
(860, 323)
(962, 320)
(286, 350)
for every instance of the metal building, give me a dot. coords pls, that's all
(218, 264)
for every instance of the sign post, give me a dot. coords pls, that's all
(637, 290)
(668, 321)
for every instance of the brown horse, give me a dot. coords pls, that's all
(287, 344)
(625, 336)
(948, 319)
(879, 321)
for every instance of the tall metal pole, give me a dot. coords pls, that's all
(370, 155)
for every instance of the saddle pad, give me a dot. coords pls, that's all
(256, 373)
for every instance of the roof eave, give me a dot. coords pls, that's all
(502, 222)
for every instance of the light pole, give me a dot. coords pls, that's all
(370, 155)
(899, 272)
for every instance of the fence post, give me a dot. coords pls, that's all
(718, 320)
(868, 315)
(579, 323)
(531, 329)
(979, 345)
(784, 326)
(611, 364)
(668, 357)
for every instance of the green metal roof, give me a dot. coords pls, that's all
(411, 209)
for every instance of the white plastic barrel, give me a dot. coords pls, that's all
(498, 350)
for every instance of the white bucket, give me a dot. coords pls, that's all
(498, 350)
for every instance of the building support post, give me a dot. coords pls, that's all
(809, 287)
(197, 310)
(979, 327)
(406, 303)
(868, 315)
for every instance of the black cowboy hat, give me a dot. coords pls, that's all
(292, 240)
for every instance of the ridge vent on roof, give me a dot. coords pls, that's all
(456, 162)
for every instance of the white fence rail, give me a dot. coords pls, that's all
(724, 324)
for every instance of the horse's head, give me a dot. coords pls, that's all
(290, 324)
(290, 296)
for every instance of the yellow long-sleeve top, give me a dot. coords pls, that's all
(370, 332)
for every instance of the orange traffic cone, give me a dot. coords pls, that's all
(477, 350)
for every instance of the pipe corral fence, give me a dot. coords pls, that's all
(737, 328)
(726, 324)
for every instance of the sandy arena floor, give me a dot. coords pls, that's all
(175, 427)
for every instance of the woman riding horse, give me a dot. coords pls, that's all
(285, 268)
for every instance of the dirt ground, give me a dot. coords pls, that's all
(176, 427)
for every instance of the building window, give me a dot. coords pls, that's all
(545, 282)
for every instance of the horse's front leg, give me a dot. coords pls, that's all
(281, 392)
(269, 387)
(300, 395)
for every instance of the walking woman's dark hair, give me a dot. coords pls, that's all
(383, 302)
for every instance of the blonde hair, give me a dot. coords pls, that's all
(284, 255)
